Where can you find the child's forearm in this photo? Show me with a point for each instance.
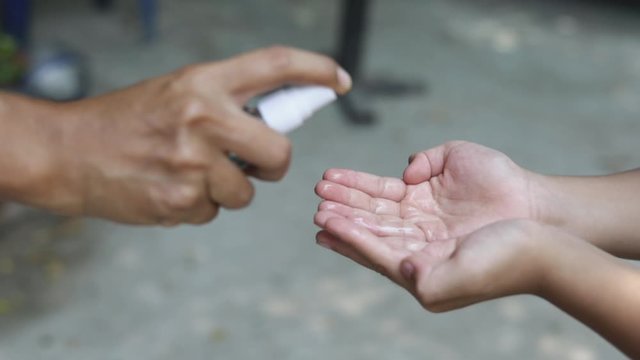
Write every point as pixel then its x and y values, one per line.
pixel 597 289
pixel 605 210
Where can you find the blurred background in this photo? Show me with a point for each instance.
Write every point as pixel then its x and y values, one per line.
pixel 554 84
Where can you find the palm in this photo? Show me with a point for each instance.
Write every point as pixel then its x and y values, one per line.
pixel 465 187
pixel 435 218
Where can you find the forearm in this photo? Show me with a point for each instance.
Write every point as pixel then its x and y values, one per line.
pixel 27 150
pixel 605 210
pixel 597 289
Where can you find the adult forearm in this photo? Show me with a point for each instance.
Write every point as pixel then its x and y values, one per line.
pixel 27 149
pixel 605 210
pixel 597 289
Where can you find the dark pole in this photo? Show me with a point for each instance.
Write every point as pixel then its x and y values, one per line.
pixel 352 35
pixel 353 28
pixel 148 14
pixel 104 4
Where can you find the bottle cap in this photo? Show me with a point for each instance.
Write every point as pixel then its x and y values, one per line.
pixel 287 109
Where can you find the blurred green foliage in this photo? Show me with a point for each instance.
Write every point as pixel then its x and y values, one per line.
pixel 12 64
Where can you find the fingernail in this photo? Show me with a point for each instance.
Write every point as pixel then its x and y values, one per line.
pixel 344 79
pixel 407 269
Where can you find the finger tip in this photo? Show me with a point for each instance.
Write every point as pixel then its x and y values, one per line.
pixel 323 218
pixel 415 173
pixel 320 218
pixel 332 223
pixel 326 205
pixel 326 189
pixel 333 174
pixel 320 187
pixel 329 220
pixel 408 175
pixel 345 82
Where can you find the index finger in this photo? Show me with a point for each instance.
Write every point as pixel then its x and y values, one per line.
pixel 268 152
pixel 255 72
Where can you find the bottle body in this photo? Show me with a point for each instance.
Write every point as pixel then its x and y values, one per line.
pixel 287 109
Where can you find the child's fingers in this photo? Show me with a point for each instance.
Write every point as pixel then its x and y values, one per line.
pixel 380 225
pixel 376 186
pixel 329 190
pixel 322 216
pixel 383 259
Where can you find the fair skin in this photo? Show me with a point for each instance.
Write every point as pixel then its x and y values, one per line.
pixel 156 152
pixel 465 224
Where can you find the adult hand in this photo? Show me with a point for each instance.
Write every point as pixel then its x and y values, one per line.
pixel 157 152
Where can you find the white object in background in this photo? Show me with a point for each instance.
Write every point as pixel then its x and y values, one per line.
pixel 57 73
pixel 287 109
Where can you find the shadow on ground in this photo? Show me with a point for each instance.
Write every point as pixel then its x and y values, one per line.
pixel 37 250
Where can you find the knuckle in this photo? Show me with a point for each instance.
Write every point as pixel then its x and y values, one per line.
pixel 243 197
pixel 279 57
pixel 180 198
pixel 190 108
pixel 186 158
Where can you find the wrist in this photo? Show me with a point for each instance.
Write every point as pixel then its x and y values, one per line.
pixel 591 208
pixel 32 145
pixel 561 204
pixel 548 200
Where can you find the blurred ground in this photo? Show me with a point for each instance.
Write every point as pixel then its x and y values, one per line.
pixel 553 84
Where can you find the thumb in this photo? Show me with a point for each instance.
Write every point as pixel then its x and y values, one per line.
pixel 424 165
pixel 429 276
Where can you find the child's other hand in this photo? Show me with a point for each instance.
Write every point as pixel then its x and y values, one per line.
pixel 501 259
